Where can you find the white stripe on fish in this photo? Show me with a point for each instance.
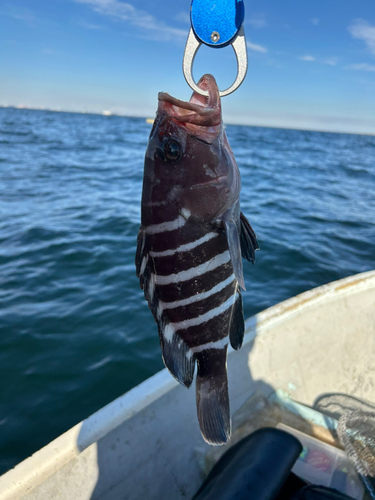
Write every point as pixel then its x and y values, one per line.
pixel 169 225
pixel 162 306
pixel 151 286
pixel 219 344
pixel 186 247
pixel 194 272
pixel 172 328
pixel 144 264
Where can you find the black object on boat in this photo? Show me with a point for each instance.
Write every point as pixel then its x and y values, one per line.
pixel 256 468
pixel 315 492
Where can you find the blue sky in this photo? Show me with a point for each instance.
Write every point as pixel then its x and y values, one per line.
pixel 311 63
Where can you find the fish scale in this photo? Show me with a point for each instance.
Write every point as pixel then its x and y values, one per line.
pixel 189 249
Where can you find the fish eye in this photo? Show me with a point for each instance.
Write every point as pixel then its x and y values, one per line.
pixel 172 150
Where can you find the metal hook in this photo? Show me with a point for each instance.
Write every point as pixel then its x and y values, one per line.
pixel 191 49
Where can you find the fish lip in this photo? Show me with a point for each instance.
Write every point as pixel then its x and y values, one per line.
pixel 200 110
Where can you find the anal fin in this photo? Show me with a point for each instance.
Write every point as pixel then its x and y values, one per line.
pixel 237 324
pixel 178 359
pixel 212 396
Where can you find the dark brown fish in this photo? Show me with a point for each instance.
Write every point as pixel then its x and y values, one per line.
pixel 189 250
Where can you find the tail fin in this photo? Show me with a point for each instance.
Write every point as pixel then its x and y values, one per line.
pixel 212 396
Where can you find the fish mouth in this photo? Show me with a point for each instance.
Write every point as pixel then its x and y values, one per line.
pixel 200 111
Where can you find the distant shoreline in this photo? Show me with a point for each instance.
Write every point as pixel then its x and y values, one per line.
pixel 110 114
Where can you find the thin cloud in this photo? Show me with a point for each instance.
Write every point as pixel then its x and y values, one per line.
pixel 183 17
pixel 91 26
pixel 256 48
pixel 151 26
pixel 369 84
pixel 363 30
pixel 361 67
pixel 258 20
pixel 307 58
pixel 21 15
pixel 315 20
pixel 51 52
pixel 331 61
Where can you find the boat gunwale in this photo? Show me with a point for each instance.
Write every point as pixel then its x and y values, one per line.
pixel 34 470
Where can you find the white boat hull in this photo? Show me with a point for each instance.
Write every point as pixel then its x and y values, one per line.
pixel 147 443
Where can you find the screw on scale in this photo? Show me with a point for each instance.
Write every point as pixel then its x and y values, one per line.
pixel 216 23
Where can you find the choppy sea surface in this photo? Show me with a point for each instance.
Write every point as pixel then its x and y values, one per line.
pixel 75 330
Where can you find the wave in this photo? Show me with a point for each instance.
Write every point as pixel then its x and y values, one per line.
pixel 75 331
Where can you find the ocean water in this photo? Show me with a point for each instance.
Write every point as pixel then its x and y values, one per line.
pixel 75 330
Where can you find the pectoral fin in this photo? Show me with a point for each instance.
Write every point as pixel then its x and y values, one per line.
pixel 234 245
pixel 249 243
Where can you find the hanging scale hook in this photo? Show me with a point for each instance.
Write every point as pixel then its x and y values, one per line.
pixel 216 23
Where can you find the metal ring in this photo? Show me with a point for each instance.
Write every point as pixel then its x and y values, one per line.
pixel 191 49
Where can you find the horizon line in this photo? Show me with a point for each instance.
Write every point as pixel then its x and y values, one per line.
pixel 108 114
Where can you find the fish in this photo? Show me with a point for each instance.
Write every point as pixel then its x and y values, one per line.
pixel 190 246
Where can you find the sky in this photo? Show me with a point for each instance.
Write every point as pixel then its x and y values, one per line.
pixel 311 63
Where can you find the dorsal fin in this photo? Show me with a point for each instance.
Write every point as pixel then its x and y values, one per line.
pixel 141 256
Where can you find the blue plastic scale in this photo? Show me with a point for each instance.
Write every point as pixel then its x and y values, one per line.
pixel 216 23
